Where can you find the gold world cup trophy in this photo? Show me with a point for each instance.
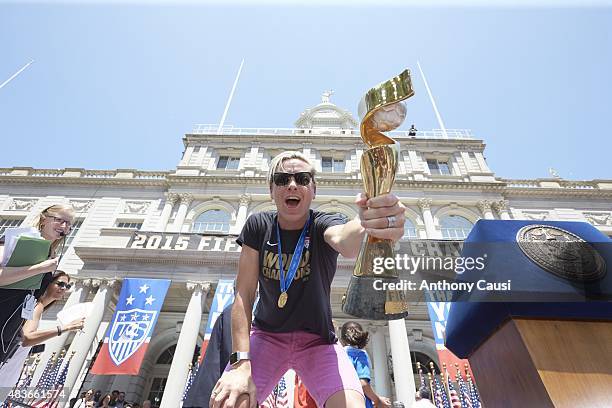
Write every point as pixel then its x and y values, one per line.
pixel 380 110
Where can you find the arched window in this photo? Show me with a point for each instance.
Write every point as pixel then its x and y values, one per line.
pixel 455 227
pixel 167 356
pixel 424 360
pixel 212 221
pixel 410 231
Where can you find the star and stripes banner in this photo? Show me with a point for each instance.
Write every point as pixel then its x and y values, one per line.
pixel 224 296
pixel 464 393
pixel 129 333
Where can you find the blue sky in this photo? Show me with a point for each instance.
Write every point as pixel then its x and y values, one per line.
pixel 116 85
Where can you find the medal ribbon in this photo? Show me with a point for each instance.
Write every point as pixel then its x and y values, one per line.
pixel 286 280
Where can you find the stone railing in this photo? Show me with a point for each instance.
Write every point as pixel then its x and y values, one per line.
pixel 83 173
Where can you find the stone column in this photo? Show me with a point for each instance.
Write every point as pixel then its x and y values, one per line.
pixel 241 217
pixel 379 361
pixel 56 344
pixel 186 200
pixel 171 199
pixel 485 208
pixel 84 342
pixel 425 206
pixel 501 207
pixel 402 365
pixel 177 377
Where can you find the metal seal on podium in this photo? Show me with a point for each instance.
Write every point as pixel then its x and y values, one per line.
pixel 381 109
pixel 561 253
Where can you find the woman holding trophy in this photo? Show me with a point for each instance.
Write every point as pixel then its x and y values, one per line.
pixel 292 254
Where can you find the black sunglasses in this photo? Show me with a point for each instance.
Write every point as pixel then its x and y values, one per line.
pixel 64 285
pixel 302 178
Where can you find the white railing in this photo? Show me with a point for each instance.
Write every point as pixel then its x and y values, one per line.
pixel 579 185
pixel 201 129
pixel 150 175
pixel 46 173
pixel 523 183
pixel 566 184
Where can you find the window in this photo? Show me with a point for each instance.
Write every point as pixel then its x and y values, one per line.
pixel 73 232
pixel 157 391
pixel 167 356
pixel 409 230
pixel 212 221
pixel 332 165
pixel 129 224
pixel 424 360
pixel 228 163
pixel 9 223
pixel 438 167
pixel 455 227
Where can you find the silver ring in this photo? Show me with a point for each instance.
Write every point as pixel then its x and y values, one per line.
pixel 391 221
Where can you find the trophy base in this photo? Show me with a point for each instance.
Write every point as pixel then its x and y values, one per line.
pixel 362 300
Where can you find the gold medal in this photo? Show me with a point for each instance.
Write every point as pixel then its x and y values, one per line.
pixel 282 300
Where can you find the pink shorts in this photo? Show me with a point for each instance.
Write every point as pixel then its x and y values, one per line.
pixel 324 368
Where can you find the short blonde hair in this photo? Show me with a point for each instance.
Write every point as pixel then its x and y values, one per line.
pixel 53 211
pixel 277 163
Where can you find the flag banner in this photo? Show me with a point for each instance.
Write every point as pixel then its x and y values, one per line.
pixel 224 296
pixel 129 333
pixel 438 314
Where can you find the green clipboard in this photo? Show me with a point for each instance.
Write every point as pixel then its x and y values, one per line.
pixel 28 251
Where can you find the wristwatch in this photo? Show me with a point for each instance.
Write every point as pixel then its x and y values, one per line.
pixel 238 356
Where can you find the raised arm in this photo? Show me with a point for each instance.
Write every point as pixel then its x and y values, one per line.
pixel 373 218
pixel 32 336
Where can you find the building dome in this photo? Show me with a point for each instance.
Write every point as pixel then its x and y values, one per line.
pixel 326 115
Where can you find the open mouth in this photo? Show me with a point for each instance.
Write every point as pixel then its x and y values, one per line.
pixel 292 201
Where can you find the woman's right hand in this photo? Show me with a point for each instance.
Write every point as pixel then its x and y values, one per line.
pixel 233 387
pixel 75 325
pixel 50 265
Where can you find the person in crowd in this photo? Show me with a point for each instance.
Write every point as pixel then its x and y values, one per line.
pixel 146 404
pixel 292 255
pixel 354 339
pixel 16 305
pixel 120 402
pixel 423 399
pixel 114 396
pixel 85 397
pixel 104 401
pixel 32 335
pixel 97 396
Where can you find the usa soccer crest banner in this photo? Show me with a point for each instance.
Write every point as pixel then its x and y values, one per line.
pixel 129 333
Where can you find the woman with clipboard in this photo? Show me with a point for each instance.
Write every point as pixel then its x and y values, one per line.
pixel 17 305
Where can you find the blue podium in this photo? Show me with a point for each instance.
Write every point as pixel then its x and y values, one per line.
pixel 525 352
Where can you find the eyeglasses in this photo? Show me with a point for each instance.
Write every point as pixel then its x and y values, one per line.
pixel 302 178
pixel 63 285
pixel 61 221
